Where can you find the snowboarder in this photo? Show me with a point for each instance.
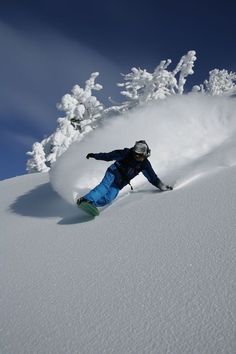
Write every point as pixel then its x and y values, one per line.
pixel 128 164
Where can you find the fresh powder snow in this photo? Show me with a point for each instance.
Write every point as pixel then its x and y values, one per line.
pixel 155 272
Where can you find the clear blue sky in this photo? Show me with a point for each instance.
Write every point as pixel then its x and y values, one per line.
pixel 48 46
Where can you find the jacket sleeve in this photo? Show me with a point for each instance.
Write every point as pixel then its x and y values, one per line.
pixel 111 156
pixel 150 174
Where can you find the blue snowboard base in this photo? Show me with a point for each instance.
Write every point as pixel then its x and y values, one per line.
pixel 89 209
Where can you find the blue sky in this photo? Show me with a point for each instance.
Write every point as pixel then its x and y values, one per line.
pixel 48 46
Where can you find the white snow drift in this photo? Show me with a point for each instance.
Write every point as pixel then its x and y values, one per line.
pixel 178 130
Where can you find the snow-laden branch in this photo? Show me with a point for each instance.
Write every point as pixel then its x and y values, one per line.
pixel 140 86
pixel 37 162
pixel 82 112
pixel 220 83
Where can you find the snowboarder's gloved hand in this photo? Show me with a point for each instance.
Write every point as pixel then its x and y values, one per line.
pixel 89 156
pixel 164 187
pixel 169 188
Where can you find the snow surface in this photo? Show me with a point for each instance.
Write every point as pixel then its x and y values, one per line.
pixel 154 273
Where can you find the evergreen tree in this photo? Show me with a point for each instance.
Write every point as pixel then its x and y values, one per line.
pixel 37 162
pixel 140 86
pixel 220 82
pixel 82 113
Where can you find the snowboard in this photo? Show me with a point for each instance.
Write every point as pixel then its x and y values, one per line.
pixel 89 209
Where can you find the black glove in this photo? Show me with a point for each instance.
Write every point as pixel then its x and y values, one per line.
pixel 164 187
pixel 169 188
pixel 89 155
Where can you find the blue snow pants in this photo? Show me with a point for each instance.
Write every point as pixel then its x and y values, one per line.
pixel 105 192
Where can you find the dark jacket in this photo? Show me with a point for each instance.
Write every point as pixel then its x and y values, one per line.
pixel 126 167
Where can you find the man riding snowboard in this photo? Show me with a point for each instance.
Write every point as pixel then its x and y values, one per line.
pixel 128 164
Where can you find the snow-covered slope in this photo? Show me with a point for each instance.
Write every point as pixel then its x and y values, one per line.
pixel 154 273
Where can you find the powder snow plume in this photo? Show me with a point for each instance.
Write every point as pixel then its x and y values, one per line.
pixel 179 131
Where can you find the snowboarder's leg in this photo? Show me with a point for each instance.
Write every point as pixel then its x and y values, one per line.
pixel 108 197
pixel 96 195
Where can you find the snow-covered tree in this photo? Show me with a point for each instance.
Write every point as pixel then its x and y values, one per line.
pixel 140 86
pixel 220 82
pixel 37 162
pixel 64 135
pixel 184 68
pixel 80 107
pixel 82 113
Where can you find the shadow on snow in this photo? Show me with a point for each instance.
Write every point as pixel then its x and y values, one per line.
pixel 44 202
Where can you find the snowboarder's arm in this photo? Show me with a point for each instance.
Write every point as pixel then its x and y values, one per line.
pixel 109 156
pixel 152 177
pixel 150 174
